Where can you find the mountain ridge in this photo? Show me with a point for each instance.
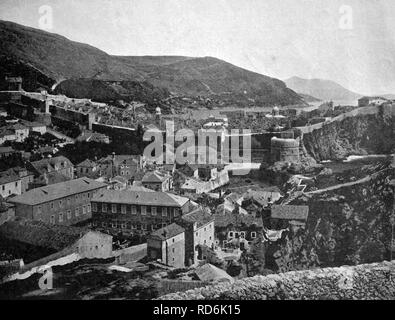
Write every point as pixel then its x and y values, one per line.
pixel 321 88
pixel 57 58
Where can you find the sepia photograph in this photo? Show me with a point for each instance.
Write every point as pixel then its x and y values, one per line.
pixel 182 152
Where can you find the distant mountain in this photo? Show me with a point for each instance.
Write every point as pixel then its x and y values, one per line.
pixel 307 98
pixel 321 89
pixel 44 59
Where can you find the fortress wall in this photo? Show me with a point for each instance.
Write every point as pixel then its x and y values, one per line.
pixel 368 281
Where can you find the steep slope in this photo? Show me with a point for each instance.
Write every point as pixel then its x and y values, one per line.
pixel 349 225
pixel 58 58
pixel 321 89
pixel 371 134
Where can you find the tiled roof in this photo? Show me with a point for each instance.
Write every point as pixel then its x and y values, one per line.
pixel 57 191
pixel 168 232
pixel 155 176
pixel 8 176
pixel 140 198
pixel 290 212
pixel 200 215
pixel 235 219
pixel 87 163
pixel 42 165
pixel 40 234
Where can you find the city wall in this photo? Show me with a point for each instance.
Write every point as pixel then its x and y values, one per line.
pixel 368 281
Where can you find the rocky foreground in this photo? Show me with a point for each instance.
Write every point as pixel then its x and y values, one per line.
pixel 363 282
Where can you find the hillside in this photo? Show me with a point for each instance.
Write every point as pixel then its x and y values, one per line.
pixel 57 58
pixel 321 89
pixel 373 133
pixel 346 226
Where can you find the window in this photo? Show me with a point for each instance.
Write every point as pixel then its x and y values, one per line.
pixel 83 209
pixel 230 234
pixel 153 211
pixel 143 226
pixel 104 207
pixel 88 208
pixel 77 212
pixel 52 205
pixel 164 212
pixel 94 207
pixel 52 219
pixel 197 234
pixel 16 184
pixel 143 210
pixel 68 214
pixel 61 217
pixel 60 203
pixel 68 201
pixel 253 234
pixel 114 208
pixel 123 209
pixel 3 187
pixel 176 212
pixel 174 250
pixel 134 211
pixel 242 235
pixel 123 225
pixel 39 209
pixel 88 195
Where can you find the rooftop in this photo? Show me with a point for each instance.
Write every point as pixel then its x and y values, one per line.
pixel 87 163
pixel 140 198
pixel 57 191
pixel 167 232
pixel 200 215
pixel 51 163
pixel 230 218
pixel 8 176
pixel 40 234
pixel 155 176
pixel 289 212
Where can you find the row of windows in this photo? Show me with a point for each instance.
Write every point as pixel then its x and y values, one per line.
pixel 241 234
pixel 60 203
pixel 143 210
pixel 64 216
pixel 130 226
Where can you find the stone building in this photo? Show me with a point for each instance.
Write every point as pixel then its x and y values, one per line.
pixel 158 181
pixel 284 150
pixel 65 203
pixel 10 183
pixel 199 230
pixel 136 212
pixel 48 166
pixel 168 245
pixel 39 243
pixel 283 216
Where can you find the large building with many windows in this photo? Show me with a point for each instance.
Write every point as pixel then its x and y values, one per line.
pixel 136 212
pixel 65 203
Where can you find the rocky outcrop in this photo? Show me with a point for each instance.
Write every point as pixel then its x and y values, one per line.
pixel 347 224
pixel 369 130
pixel 369 281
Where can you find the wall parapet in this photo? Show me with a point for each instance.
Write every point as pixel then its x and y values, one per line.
pixel 361 282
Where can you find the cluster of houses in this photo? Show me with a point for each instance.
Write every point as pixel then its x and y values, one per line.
pixel 55 212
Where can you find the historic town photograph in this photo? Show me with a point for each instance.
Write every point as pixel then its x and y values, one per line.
pixel 197 150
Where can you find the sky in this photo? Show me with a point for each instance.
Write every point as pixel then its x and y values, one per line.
pixel 351 42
